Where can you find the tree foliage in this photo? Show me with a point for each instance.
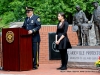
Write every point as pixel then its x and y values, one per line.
pixel 14 10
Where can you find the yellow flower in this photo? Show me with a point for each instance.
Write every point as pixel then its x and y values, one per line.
pixel 97 63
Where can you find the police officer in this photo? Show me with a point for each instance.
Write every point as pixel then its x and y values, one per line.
pixel 78 19
pixel 96 19
pixel 33 25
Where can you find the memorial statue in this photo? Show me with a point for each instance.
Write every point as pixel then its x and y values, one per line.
pixel 96 19
pixel 85 27
pixel 79 19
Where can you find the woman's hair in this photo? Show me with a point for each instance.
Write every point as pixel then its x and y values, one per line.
pixel 63 15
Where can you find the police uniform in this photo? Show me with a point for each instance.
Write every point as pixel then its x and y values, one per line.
pixel 33 23
pixel 78 19
pixel 96 19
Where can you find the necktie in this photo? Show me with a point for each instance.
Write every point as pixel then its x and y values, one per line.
pixel 28 20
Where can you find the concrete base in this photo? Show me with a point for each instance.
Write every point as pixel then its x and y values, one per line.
pixel 82 64
pixel 86 47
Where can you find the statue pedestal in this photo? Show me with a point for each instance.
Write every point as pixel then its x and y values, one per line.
pixel 83 56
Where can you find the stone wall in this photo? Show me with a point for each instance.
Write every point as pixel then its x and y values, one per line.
pixel 44 49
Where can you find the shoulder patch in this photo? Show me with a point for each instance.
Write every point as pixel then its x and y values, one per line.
pixel 38 19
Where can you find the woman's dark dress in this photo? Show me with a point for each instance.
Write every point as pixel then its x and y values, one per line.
pixel 62 30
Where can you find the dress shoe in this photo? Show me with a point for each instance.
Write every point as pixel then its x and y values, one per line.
pixel 97 44
pixel 86 44
pixel 35 68
pixel 59 68
pixel 1 68
pixel 79 44
pixel 64 68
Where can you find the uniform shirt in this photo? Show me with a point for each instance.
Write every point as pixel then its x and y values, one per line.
pixel 80 17
pixel 33 23
pixel 96 14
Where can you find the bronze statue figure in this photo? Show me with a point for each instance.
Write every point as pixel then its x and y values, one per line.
pixel 96 19
pixel 85 33
pixel 79 20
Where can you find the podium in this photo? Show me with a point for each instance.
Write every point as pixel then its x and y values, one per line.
pixel 17 49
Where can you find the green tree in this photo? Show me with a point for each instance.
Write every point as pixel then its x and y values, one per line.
pixel 14 10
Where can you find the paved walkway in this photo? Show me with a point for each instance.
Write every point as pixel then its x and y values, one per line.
pixel 50 69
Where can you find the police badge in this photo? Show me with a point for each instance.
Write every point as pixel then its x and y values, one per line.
pixel 38 19
pixel 32 21
pixel 9 36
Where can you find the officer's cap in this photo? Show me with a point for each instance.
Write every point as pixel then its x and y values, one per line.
pixel 77 6
pixel 95 2
pixel 29 8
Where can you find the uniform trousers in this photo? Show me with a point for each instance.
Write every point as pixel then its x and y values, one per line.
pixel 35 53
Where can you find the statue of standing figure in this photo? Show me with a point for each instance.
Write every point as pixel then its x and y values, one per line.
pixel 81 27
pixel 96 19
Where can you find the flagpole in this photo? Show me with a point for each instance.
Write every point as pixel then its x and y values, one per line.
pixel 1 52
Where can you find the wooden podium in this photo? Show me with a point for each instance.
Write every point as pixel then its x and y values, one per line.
pixel 17 49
